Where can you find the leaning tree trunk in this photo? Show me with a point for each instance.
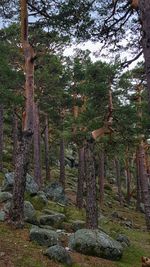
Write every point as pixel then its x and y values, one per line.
pixel 46 142
pixel 144 185
pixel 90 178
pixel 37 147
pixel 118 176
pixel 62 162
pixel 101 178
pixel 25 142
pixel 81 176
pixel 144 7
pixel 14 135
pixel 1 137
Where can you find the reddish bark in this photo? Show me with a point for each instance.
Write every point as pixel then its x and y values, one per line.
pixel 15 135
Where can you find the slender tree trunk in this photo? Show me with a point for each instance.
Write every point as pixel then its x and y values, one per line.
pixel 62 162
pixel 46 141
pixel 128 177
pixel 101 178
pixel 1 137
pixel 90 178
pixel 138 186
pixel 81 175
pixel 144 185
pixel 117 165
pixel 24 145
pixel 144 7
pixel 15 135
pixel 37 147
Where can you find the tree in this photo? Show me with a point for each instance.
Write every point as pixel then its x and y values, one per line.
pixel 24 145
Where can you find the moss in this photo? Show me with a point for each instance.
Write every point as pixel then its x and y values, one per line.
pixel 72 213
pixel 1 178
pixel 55 207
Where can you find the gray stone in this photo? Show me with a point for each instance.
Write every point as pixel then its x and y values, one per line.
pixel 142 208
pixel 95 243
pixel 31 185
pixel 59 253
pixel 56 193
pixel 2 216
pixel 43 237
pixel 5 196
pixel 29 212
pixel 78 224
pixel 42 197
pixel 54 220
pixel 124 240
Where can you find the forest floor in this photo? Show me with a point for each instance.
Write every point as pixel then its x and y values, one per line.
pixel 16 250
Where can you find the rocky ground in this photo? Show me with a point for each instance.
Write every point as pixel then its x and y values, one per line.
pixel 55 234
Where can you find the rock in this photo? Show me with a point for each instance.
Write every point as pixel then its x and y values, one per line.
pixel 142 208
pixel 5 196
pixel 42 197
pixel 78 224
pixel 40 200
pixel 56 193
pixel 95 243
pixel 43 237
pixel 128 224
pixel 31 185
pixel 124 240
pixel 2 216
pixel 60 254
pixel 52 220
pixel 29 212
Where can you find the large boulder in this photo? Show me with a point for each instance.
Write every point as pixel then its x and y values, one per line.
pixel 56 193
pixel 54 220
pixel 29 212
pixel 95 243
pixel 5 196
pixel 59 253
pixel 31 185
pixel 124 240
pixel 43 237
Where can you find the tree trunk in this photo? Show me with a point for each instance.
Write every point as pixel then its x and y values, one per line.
pixel 118 176
pixel 1 137
pixel 37 147
pixel 138 187
pixel 14 135
pixel 144 7
pixel 62 162
pixel 144 185
pixel 90 178
pixel 101 178
pixel 128 177
pixel 46 141
pixel 24 146
pixel 81 175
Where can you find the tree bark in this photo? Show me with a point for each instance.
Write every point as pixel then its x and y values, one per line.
pixel 144 7
pixel 138 186
pixel 46 141
pixel 1 137
pixel 90 178
pixel 15 135
pixel 62 163
pixel 101 178
pixel 144 184
pixel 37 148
pixel 118 176
pixel 81 176
pixel 24 146
pixel 128 177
